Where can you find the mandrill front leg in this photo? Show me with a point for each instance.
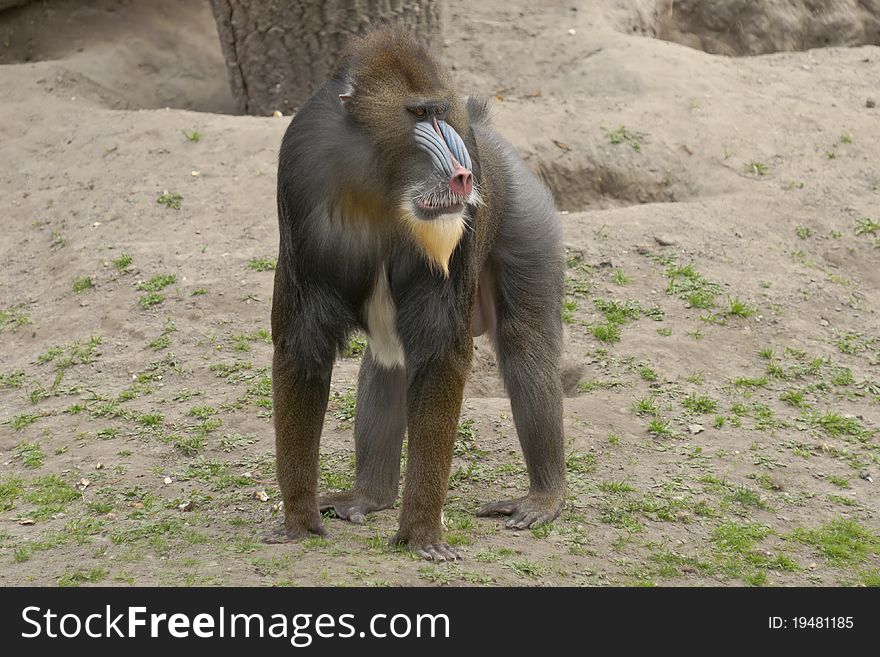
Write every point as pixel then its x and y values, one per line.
pixel 300 399
pixel 434 398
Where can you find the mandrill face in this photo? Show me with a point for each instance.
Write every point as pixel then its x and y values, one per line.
pixel 408 110
pixel 434 209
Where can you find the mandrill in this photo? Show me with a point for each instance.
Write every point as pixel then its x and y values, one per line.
pixel 403 214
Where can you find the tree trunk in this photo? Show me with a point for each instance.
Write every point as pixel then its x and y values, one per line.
pixel 279 51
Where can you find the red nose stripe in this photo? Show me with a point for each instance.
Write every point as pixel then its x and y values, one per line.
pixel 462 180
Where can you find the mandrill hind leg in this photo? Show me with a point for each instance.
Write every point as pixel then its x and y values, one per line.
pixel 528 344
pixel 379 426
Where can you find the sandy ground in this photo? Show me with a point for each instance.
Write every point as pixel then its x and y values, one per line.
pixel 722 420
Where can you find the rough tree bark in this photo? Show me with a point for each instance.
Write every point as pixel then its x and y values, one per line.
pixel 279 51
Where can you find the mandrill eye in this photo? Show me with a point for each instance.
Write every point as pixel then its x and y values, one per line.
pixel 420 112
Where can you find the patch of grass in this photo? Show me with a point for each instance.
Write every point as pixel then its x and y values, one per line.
pixel 843 501
pixel 803 232
pixel 157 283
pixel 655 313
pixel 647 373
pixel 192 136
pixel 153 289
pixel 645 406
pixel 578 282
pixel 151 299
pixel 108 433
pixel 150 419
pixel 703 299
pixel 739 409
pixel 11 488
pixel 747 497
pixel 866 226
pixel 76 577
pixel 793 397
pixel 590 386
pixel 335 475
pixel 700 404
pixel 170 199
pixel 356 346
pixel 440 574
pixel 580 462
pixel 746 382
pixel 261 264
pixel 767 482
pixel 202 412
pixel 12 380
pixel 840 482
pixel 687 283
pixel 240 342
pixel 841 542
pixel 233 441
pixel 870 578
pixel 14 317
pixel 156 534
pixel 164 341
pixel 31 454
pixel 842 376
pixel 493 555
pixel 465 440
pixel 739 308
pixel 756 168
pixel 618 312
pixel 672 564
pixel 160 343
pixel 19 422
pixel 569 306
pixel 736 555
pixel 837 425
pixel 528 569
pixel 853 343
pixel 83 284
pixel 606 332
pixel 122 262
pixel 78 353
pixel 214 473
pixel 58 240
pixel 620 278
pixel 51 494
pixel 661 427
pixel 622 135
pixel 616 487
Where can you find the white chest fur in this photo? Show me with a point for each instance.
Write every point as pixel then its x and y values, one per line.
pixel 381 316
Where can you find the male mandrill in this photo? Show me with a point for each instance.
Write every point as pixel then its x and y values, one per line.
pixel 403 214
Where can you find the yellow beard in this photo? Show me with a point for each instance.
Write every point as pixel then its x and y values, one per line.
pixel 437 238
